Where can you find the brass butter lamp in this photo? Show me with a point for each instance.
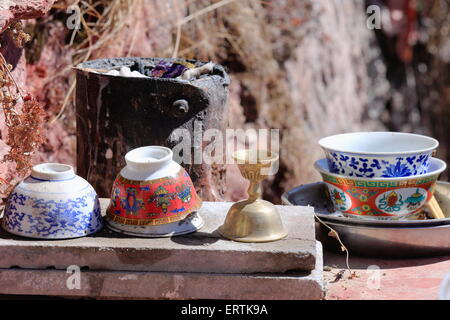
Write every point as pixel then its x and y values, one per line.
pixel 254 219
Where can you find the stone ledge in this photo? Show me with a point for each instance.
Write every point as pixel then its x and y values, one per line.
pixel 167 285
pixel 203 251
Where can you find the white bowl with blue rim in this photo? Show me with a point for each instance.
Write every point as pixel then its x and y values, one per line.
pixel 52 203
pixel 378 154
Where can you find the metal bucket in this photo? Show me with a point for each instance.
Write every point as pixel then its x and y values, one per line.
pixel 116 114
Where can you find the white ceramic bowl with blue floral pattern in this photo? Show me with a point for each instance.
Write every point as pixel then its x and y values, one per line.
pixel 52 203
pixel 378 154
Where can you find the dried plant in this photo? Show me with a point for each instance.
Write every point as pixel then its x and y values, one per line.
pixel 25 133
pixel 17 34
pixel 24 117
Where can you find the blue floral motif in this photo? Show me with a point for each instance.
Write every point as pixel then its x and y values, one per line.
pixel 68 218
pixel 421 158
pixel 398 170
pixel 377 167
pixel 354 163
pixel 365 171
pixel 18 198
pixel 333 167
pixel 426 162
pixel 410 159
pixel 16 223
pixel 375 164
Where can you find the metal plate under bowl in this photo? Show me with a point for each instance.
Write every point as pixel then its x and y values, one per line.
pixel 383 238
pixel 190 224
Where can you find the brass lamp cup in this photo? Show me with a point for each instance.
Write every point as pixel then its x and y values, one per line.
pixel 254 219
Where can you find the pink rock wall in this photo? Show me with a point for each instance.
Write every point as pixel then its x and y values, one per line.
pixel 12 10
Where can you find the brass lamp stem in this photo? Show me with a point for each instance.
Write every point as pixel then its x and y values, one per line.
pixel 254 190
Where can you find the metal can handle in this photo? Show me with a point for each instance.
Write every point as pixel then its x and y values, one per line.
pixel 180 108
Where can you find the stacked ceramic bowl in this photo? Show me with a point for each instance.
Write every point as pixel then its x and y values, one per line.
pixel 379 175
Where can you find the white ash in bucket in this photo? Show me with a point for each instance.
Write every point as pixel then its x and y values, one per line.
pixel 163 69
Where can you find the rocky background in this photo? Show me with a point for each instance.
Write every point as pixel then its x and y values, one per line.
pixel 308 67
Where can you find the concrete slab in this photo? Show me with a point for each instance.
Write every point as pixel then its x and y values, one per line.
pixel 166 285
pixel 204 251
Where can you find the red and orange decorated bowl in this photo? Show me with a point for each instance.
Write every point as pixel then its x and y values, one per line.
pixel 152 194
pixel 380 198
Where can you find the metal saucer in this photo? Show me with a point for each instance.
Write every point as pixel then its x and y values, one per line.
pixel 377 238
pixel 191 223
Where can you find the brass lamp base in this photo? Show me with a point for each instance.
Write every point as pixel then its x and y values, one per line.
pixel 253 221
